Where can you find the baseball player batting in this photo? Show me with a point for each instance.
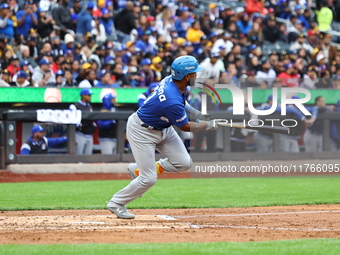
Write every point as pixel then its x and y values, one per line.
pixel 151 128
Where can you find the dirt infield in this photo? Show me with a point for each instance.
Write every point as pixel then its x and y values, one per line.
pixel 171 225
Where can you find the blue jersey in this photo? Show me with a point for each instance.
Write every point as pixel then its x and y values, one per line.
pixel 165 106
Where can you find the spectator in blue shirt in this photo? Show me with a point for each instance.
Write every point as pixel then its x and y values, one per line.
pixel 144 45
pixel 182 24
pixel 243 24
pixel 301 17
pixel 38 143
pixel 105 80
pixel 107 21
pixel 27 19
pixel 6 24
pixel 84 20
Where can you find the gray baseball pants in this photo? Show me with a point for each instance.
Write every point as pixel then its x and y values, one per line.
pixel 313 142
pixel 84 145
pixel 108 147
pixel 143 143
pixel 289 145
pixel 263 143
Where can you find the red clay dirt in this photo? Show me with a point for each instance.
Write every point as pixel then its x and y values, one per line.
pixel 184 225
pixel 6 176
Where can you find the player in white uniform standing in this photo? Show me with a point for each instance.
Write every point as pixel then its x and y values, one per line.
pixel 151 128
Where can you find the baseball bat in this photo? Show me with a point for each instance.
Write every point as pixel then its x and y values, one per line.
pixel 264 128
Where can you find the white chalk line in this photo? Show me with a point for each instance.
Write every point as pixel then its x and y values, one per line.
pixel 250 214
pixel 268 228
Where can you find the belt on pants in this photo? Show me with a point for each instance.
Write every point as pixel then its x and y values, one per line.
pixel 135 115
pixel 150 127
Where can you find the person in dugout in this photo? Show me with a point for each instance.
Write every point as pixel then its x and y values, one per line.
pixel 107 128
pixel 38 143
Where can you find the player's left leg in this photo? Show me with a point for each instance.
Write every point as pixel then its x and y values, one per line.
pixel 177 158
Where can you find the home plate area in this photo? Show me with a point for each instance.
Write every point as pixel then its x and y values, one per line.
pixel 171 225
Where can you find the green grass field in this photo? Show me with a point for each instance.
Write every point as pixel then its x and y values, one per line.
pixel 176 193
pixel 293 247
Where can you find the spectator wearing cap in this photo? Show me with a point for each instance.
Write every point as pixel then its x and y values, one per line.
pixel 68 43
pixel 290 77
pixel 62 17
pixel 21 80
pixel 59 79
pixel 195 33
pixel 84 24
pixel 6 24
pixel 45 23
pixel 182 23
pixel 98 56
pixel 42 74
pixel 300 43
pixel 107 128
pixel 301 17
pixel 224 42
pixel 5 78
pixel 26 19
pixel 271 32
pixel 254 6
pixel 330 51
pixel 126 23
pixel 87 49
pixel 78 55
pixel 147 74
pixel 86 129
pixel 266 73
pixel 14 65
pixel 87 77
pixel 296 31
pixel 24 65
pixel 157 67
pixel 38 143
pixel 211 67
pixel 213 11
pixel 107 22
pixel 324 17
pixel 144 45
pixel 56 46
pixel 105 80
pixel 243 24
pixel 312 38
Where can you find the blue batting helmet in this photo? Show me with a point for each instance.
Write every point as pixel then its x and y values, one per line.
pixel 183 66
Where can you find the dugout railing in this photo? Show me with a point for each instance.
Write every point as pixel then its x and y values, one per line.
pixel 11 118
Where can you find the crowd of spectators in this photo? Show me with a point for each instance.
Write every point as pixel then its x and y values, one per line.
pixel 113 43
